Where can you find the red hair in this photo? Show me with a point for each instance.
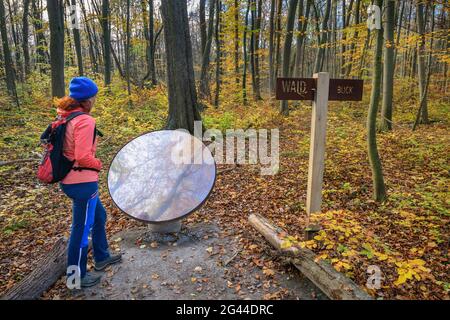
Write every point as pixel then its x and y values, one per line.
pixel 67 103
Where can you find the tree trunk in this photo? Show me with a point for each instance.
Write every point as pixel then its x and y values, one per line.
pixel 284 109
pixel 374 158
pixel 323 39
pixel 180 71
pixel 236 40
pixel 388 66
pixel 10 76
pixel 204 90
pixel 56 22
pixel 278 38
pixel 333 283
pixel 355 37
pixel 203 34
pixel 77 40
pixel 91 41
pixel 152 40
pixel 218 52
pixel 106 42
pixel 244 46
pixel 25 48
pixel 301 37
pixel 271 48
pixel 421 61
pixel 423 97
pixel 41 44
pixel 127 50
pixel 15 37
pixel 345 24
pixel 256 39
pixel 49 269
pixel 399 30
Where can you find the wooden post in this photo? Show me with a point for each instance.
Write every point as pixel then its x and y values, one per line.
pixel 317 144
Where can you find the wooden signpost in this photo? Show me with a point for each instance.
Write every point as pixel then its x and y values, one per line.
pixel 320 89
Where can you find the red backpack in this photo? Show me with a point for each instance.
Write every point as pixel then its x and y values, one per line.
pixel 54 166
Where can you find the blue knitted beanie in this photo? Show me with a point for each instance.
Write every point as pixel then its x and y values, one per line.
pixel 82 88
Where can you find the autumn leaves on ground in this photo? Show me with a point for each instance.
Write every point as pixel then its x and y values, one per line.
pixel 407 236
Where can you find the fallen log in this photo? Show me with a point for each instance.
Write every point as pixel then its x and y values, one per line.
pixel 48 270
pixel 332 283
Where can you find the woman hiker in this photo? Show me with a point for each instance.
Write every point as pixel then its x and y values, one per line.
pixel 81 184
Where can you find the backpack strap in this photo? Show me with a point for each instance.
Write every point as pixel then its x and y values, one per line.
pixel 73 115
pixel 96 132
pixel 84 168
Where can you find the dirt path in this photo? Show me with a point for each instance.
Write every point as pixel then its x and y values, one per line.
pixel 198 263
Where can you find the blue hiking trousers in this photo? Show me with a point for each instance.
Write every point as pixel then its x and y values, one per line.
pixel 88 215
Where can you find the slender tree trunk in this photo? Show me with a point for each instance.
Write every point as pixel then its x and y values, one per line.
pixel 408 28
pixel 152 39
pixel 10 76
pixel 399 30
pixel 180 71
pixel 367 44
pixel 423 96
pixel 252 45
pixel 271 48
pixel 56 22
pixel 41 44
pixel 421 60
pixel 388 66
pixel 236 40
pixel 127 49
pixel 106 42
pixel 204 90
pixel 323 39
pixel 25 34
pixel 70 56
pixel 355 38
pixel 77 41
pixel 91 41
pixel 278 38
pixel 345 24
pixel 218 52
pixel 287 49
pixel 203 34
pixel 256 39
pixel 15 37
pixel 301 36
pixel 244 47
pixel 379 190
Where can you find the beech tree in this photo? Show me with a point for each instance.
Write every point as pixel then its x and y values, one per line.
pixel 55 9
pixel 183 108
pixel 379 190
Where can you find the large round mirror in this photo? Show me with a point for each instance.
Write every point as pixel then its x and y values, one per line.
pixel 161 176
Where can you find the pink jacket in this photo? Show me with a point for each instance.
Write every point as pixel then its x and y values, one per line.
pixel 79 146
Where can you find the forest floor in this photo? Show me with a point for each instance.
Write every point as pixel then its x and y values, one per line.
pixel 407 236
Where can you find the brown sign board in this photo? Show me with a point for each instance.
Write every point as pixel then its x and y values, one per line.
pixel 304 88
pixel 345 90
pixel 295 88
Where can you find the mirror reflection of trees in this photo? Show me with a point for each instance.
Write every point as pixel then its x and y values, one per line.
pixel 147 184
